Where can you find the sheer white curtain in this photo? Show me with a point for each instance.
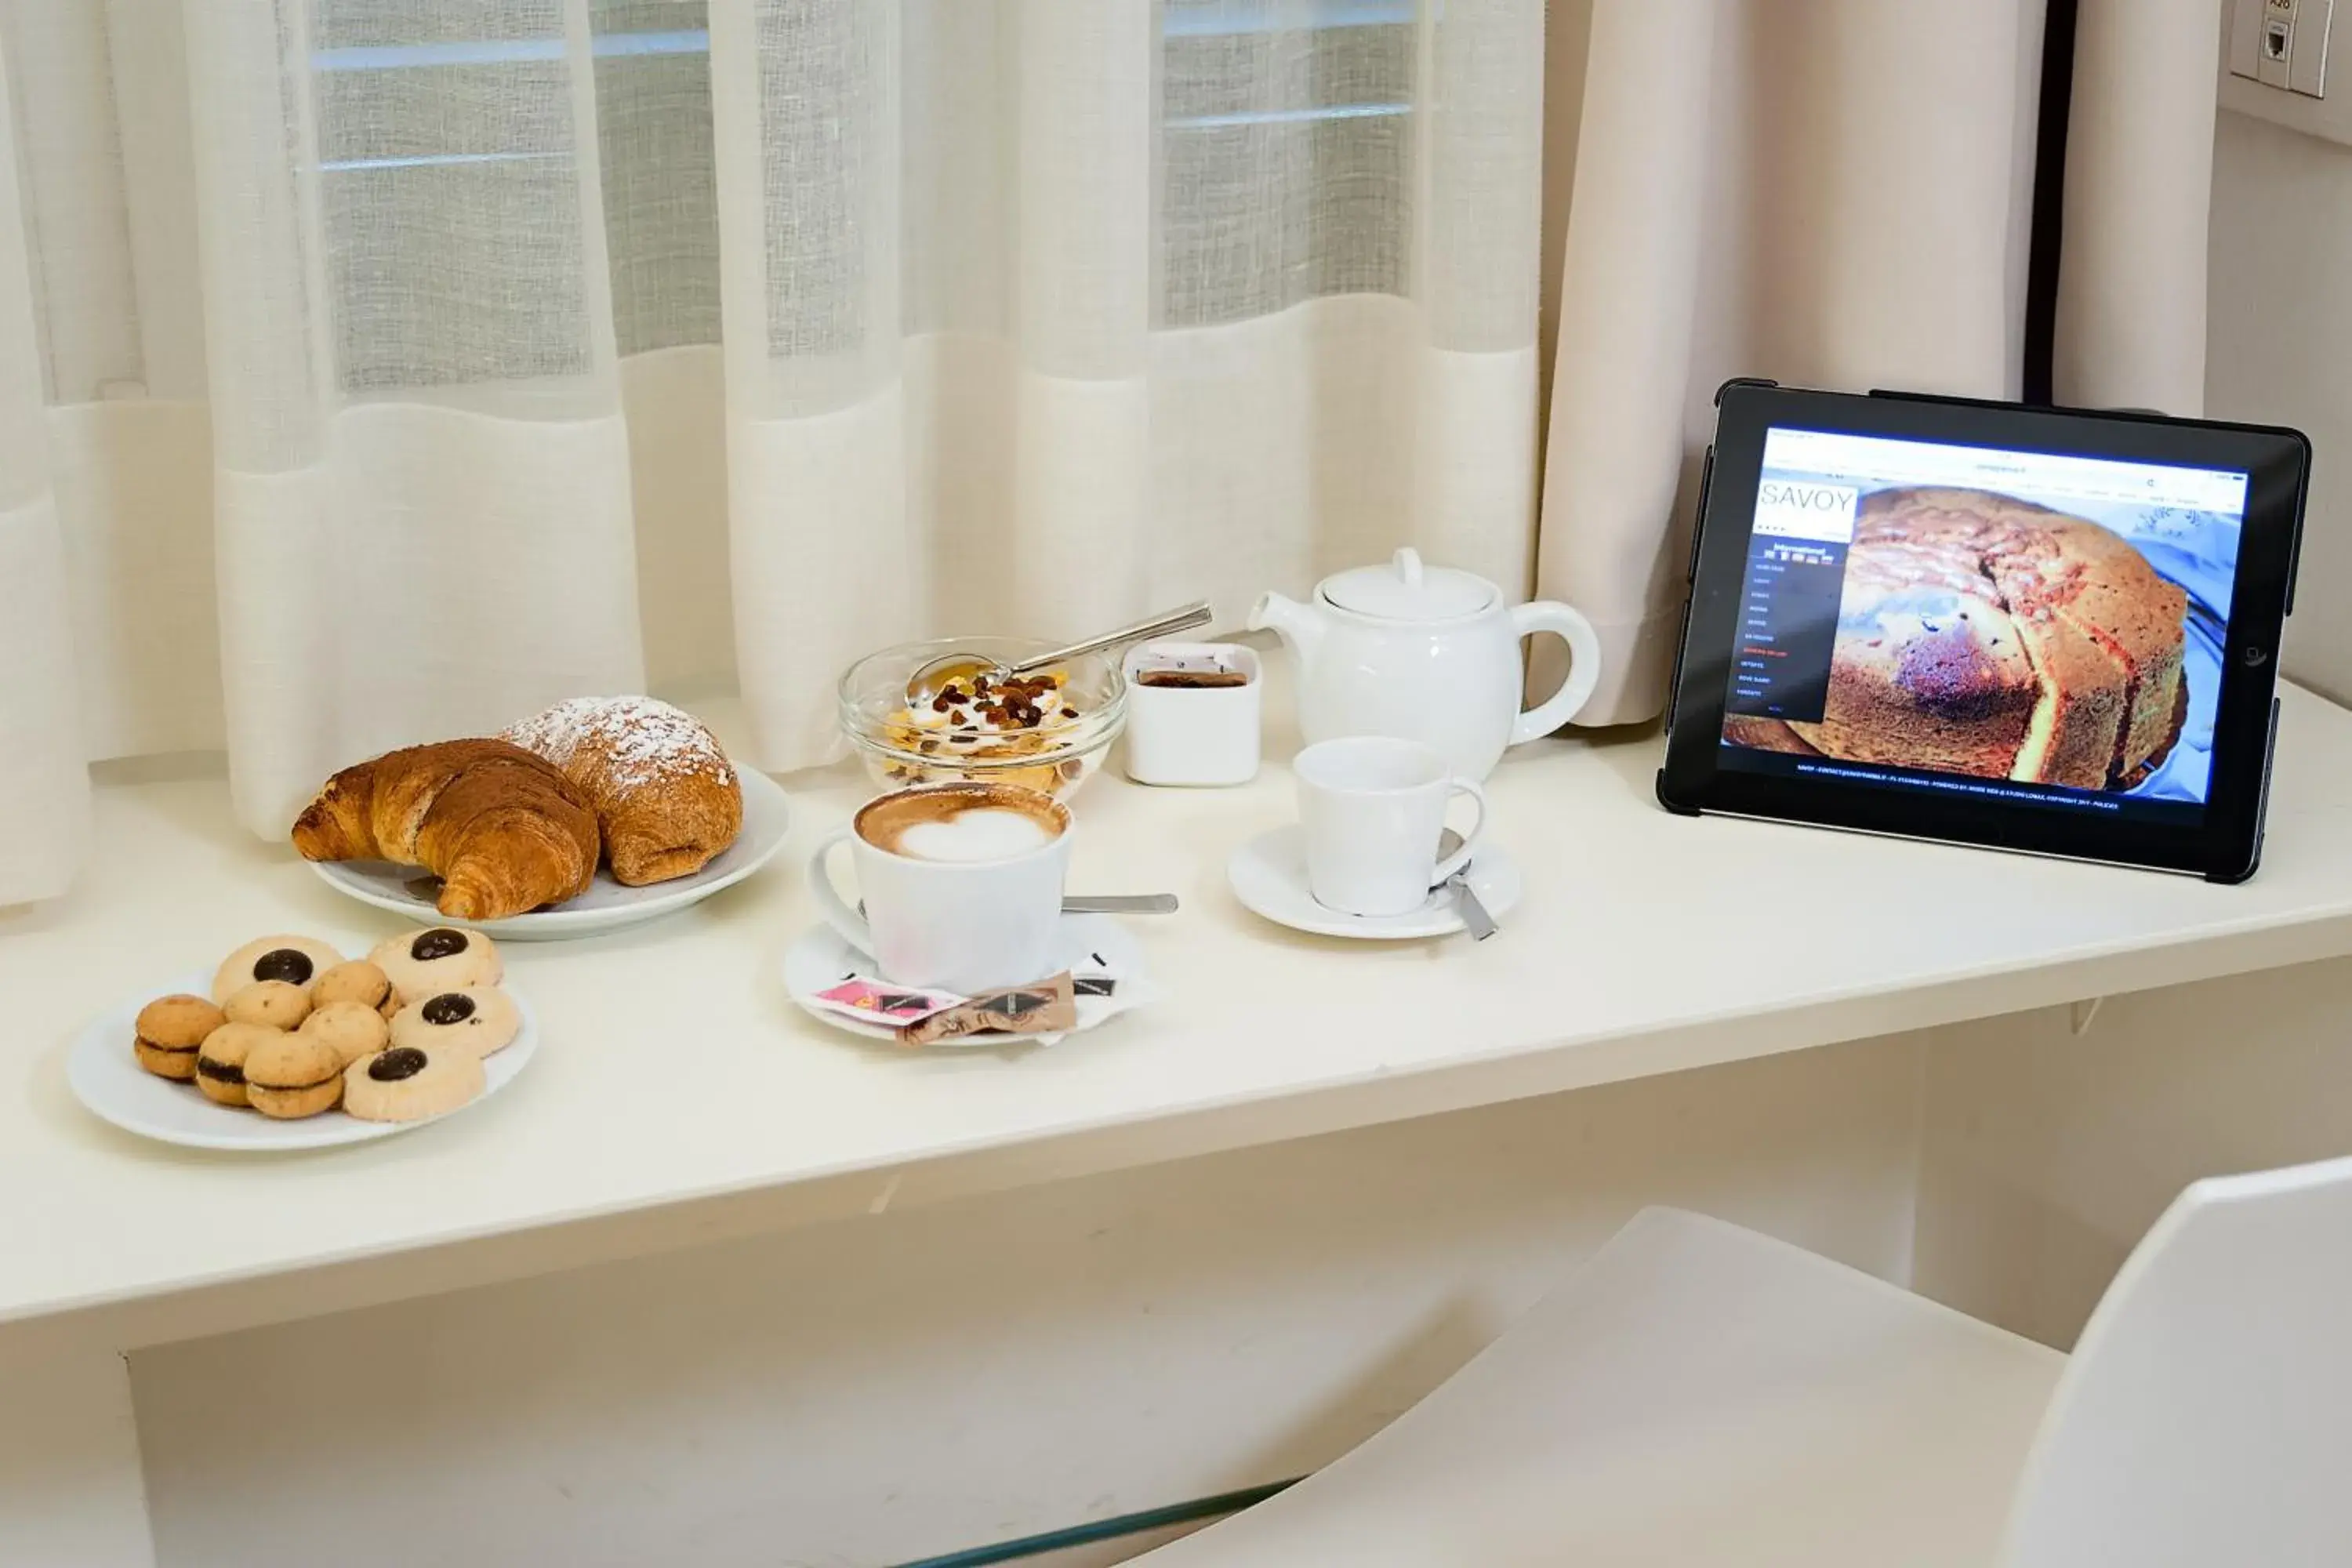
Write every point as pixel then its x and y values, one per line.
pixel 422 522
pixel 1040 312
pixel 396 366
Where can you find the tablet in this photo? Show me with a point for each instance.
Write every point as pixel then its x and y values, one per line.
pixel 2048 630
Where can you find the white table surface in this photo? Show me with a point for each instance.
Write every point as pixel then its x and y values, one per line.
pixel 681 1095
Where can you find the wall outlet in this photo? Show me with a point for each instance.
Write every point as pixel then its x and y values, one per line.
pixel 2281 44
pixel 2290 91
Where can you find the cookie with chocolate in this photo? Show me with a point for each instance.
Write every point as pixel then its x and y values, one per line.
pixel 479 1019
pixel 427 962
pixel 293 1076
pixel 410 1083
pixel 169 1028
pixel 295 960
pixel 220 1060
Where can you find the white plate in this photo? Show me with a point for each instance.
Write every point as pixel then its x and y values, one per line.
pixel 1086 945
pixel 606 905
pixel 1270 875
pixel 107 1077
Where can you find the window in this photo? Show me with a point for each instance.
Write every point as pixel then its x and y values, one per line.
pixel 1289 145
pixel 449 177
pixel 450 193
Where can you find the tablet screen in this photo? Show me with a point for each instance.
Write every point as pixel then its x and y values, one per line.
pixel 2013 625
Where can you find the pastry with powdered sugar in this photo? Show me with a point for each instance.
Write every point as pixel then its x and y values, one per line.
pixel 666 799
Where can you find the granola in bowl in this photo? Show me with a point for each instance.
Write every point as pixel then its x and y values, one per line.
pixel 1048 731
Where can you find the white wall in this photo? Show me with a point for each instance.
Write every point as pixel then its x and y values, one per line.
pixel 868 1392
pixel 2048 1155
pixel 2279 348
pixel 69 1478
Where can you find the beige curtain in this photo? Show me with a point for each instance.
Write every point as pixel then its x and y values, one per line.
pixel 44 807
pixel 1835 194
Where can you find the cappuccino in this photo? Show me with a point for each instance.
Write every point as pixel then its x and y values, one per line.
pixel 961 883
pixel 962 824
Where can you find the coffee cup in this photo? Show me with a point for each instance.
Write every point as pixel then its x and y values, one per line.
pixel 961 884
pixel 1372 810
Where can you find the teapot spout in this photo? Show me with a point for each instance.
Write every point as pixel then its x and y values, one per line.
pixel 1293 622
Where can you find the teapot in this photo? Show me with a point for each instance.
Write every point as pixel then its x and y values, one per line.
pixel 1427 654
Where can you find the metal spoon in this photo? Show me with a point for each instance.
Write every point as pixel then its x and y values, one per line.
pixel 962 669
pixel 1118 904
pixel 1107 904
pixel 1475 918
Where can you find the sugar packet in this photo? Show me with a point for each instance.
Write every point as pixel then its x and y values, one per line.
pixel 871 1003
pixel 1047 1007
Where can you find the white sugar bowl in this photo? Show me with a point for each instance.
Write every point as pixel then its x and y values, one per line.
pixel 1192 713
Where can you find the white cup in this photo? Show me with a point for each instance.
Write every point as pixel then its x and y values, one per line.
pixel 1372 809
pixel 950 924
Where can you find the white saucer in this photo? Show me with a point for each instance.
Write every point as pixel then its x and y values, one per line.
pixel 1087 944
pixel 606 905
pixel 1269 876
pixel 107 1077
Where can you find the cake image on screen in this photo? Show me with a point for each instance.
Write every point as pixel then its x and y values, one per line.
pixel 1984 635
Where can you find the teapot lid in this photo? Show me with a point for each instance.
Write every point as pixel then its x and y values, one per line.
pixel 1405 590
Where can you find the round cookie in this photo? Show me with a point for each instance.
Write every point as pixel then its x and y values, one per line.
pixel 292 1076
pixel 220 1060
pixel 479 1019
pixel 350 1029
pixel 409 1084
pixel 170 1029
pixel 427 962
pixel 297 960
pixel 357 980
pixel 279 1004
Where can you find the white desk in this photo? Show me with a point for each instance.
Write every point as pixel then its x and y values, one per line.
pixel 681 1096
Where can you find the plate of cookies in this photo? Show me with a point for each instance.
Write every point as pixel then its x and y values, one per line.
pixel 290 1045
pixel 598 813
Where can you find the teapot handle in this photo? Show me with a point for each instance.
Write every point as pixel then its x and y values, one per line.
pixel 1583 665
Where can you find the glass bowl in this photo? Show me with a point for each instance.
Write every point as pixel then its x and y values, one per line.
pixel 1054 755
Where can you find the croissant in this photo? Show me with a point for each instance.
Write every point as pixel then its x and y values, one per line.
pixel 504 831
pixel 665 797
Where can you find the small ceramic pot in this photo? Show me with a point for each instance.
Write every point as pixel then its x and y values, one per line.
pixel 1181 730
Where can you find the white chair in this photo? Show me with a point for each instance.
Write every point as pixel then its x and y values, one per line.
pixel 1700 1394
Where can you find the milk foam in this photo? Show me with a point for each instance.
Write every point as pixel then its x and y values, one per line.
pixel 985 833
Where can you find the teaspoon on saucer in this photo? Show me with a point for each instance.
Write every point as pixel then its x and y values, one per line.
pixel 1475 918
